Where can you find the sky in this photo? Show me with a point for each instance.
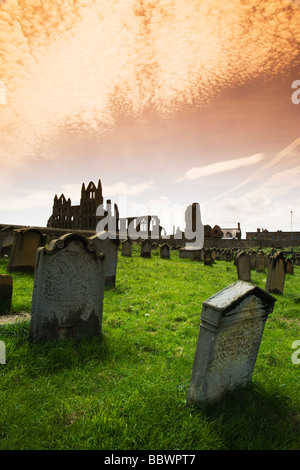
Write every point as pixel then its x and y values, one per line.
pixel 168 102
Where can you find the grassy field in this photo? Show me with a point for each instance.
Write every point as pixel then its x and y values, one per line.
pixel 127 390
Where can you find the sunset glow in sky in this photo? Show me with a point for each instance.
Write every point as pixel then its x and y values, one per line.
pixel 168 102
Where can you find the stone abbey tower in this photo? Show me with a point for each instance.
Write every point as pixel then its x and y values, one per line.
pixel 82 217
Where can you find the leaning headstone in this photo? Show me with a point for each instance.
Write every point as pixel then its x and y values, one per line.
pixel 6 289
pixel 67 299
pixel 126 248
pixel 276 274
pixel 165 251
pixel 232 325
pixel 108 246
pixel 242 263
pixel 260 262
pixel 289 266
pixel 146 249
pixel 23 252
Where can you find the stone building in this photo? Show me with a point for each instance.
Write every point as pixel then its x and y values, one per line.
pixel 82 217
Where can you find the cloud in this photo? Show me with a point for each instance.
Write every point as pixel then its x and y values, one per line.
pixel 124 189
pixel 279 174
pixel 82 64
pixel 24 202
pixel 221 167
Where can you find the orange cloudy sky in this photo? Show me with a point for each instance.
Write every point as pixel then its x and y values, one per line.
pixel 168 102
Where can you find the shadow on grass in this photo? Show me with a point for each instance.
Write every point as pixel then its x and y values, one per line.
pixel 51 356
pixel 254 418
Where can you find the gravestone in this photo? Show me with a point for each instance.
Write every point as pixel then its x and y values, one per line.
pixel 7 235
pixel 232 325
pixel 165 251
pixel 276 274
pixel 6 289
pixel 289 266
pixel 23 252
pixel 242 263
pixel 260 262
pixel 146 248
pixel 228 255
pixel 67 299
pixel 252 259
pixel 208 259
pixel 108 246
pixel 190 253
pixel 126 248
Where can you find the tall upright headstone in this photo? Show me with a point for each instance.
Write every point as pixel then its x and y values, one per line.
pixel 276 274
pixel 106 243
pixel 23 252
pixel 232 325
pixel 260 262
pixel 146 248
pixel 67 299
pixel 165 251
pixel 242 263
pixel 126 248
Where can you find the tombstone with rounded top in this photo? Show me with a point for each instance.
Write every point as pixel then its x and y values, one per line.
pixel 126 247
pixel 146 248
pixel 165 251
pixel 67 299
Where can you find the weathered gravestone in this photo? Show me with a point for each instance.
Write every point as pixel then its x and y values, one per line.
pixel 276 274
pixel 126 248
pixel 146 249
pixel 108 246
pixel 23 252
pixel 232 324
pixel 6 289
pixel 7 235
pixel 260 262
pixel 190 253
pixel 228 255
pixel 252 259
pixel 67 300
pixel 242 263
pixel 165 251
pixel 208 259
pixel 289 266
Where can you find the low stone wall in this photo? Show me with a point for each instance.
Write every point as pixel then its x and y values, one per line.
pixel 225 243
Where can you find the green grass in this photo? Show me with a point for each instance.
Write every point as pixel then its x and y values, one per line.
pixel 127 390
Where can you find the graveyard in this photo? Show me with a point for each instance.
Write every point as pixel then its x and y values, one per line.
pixel 128 387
